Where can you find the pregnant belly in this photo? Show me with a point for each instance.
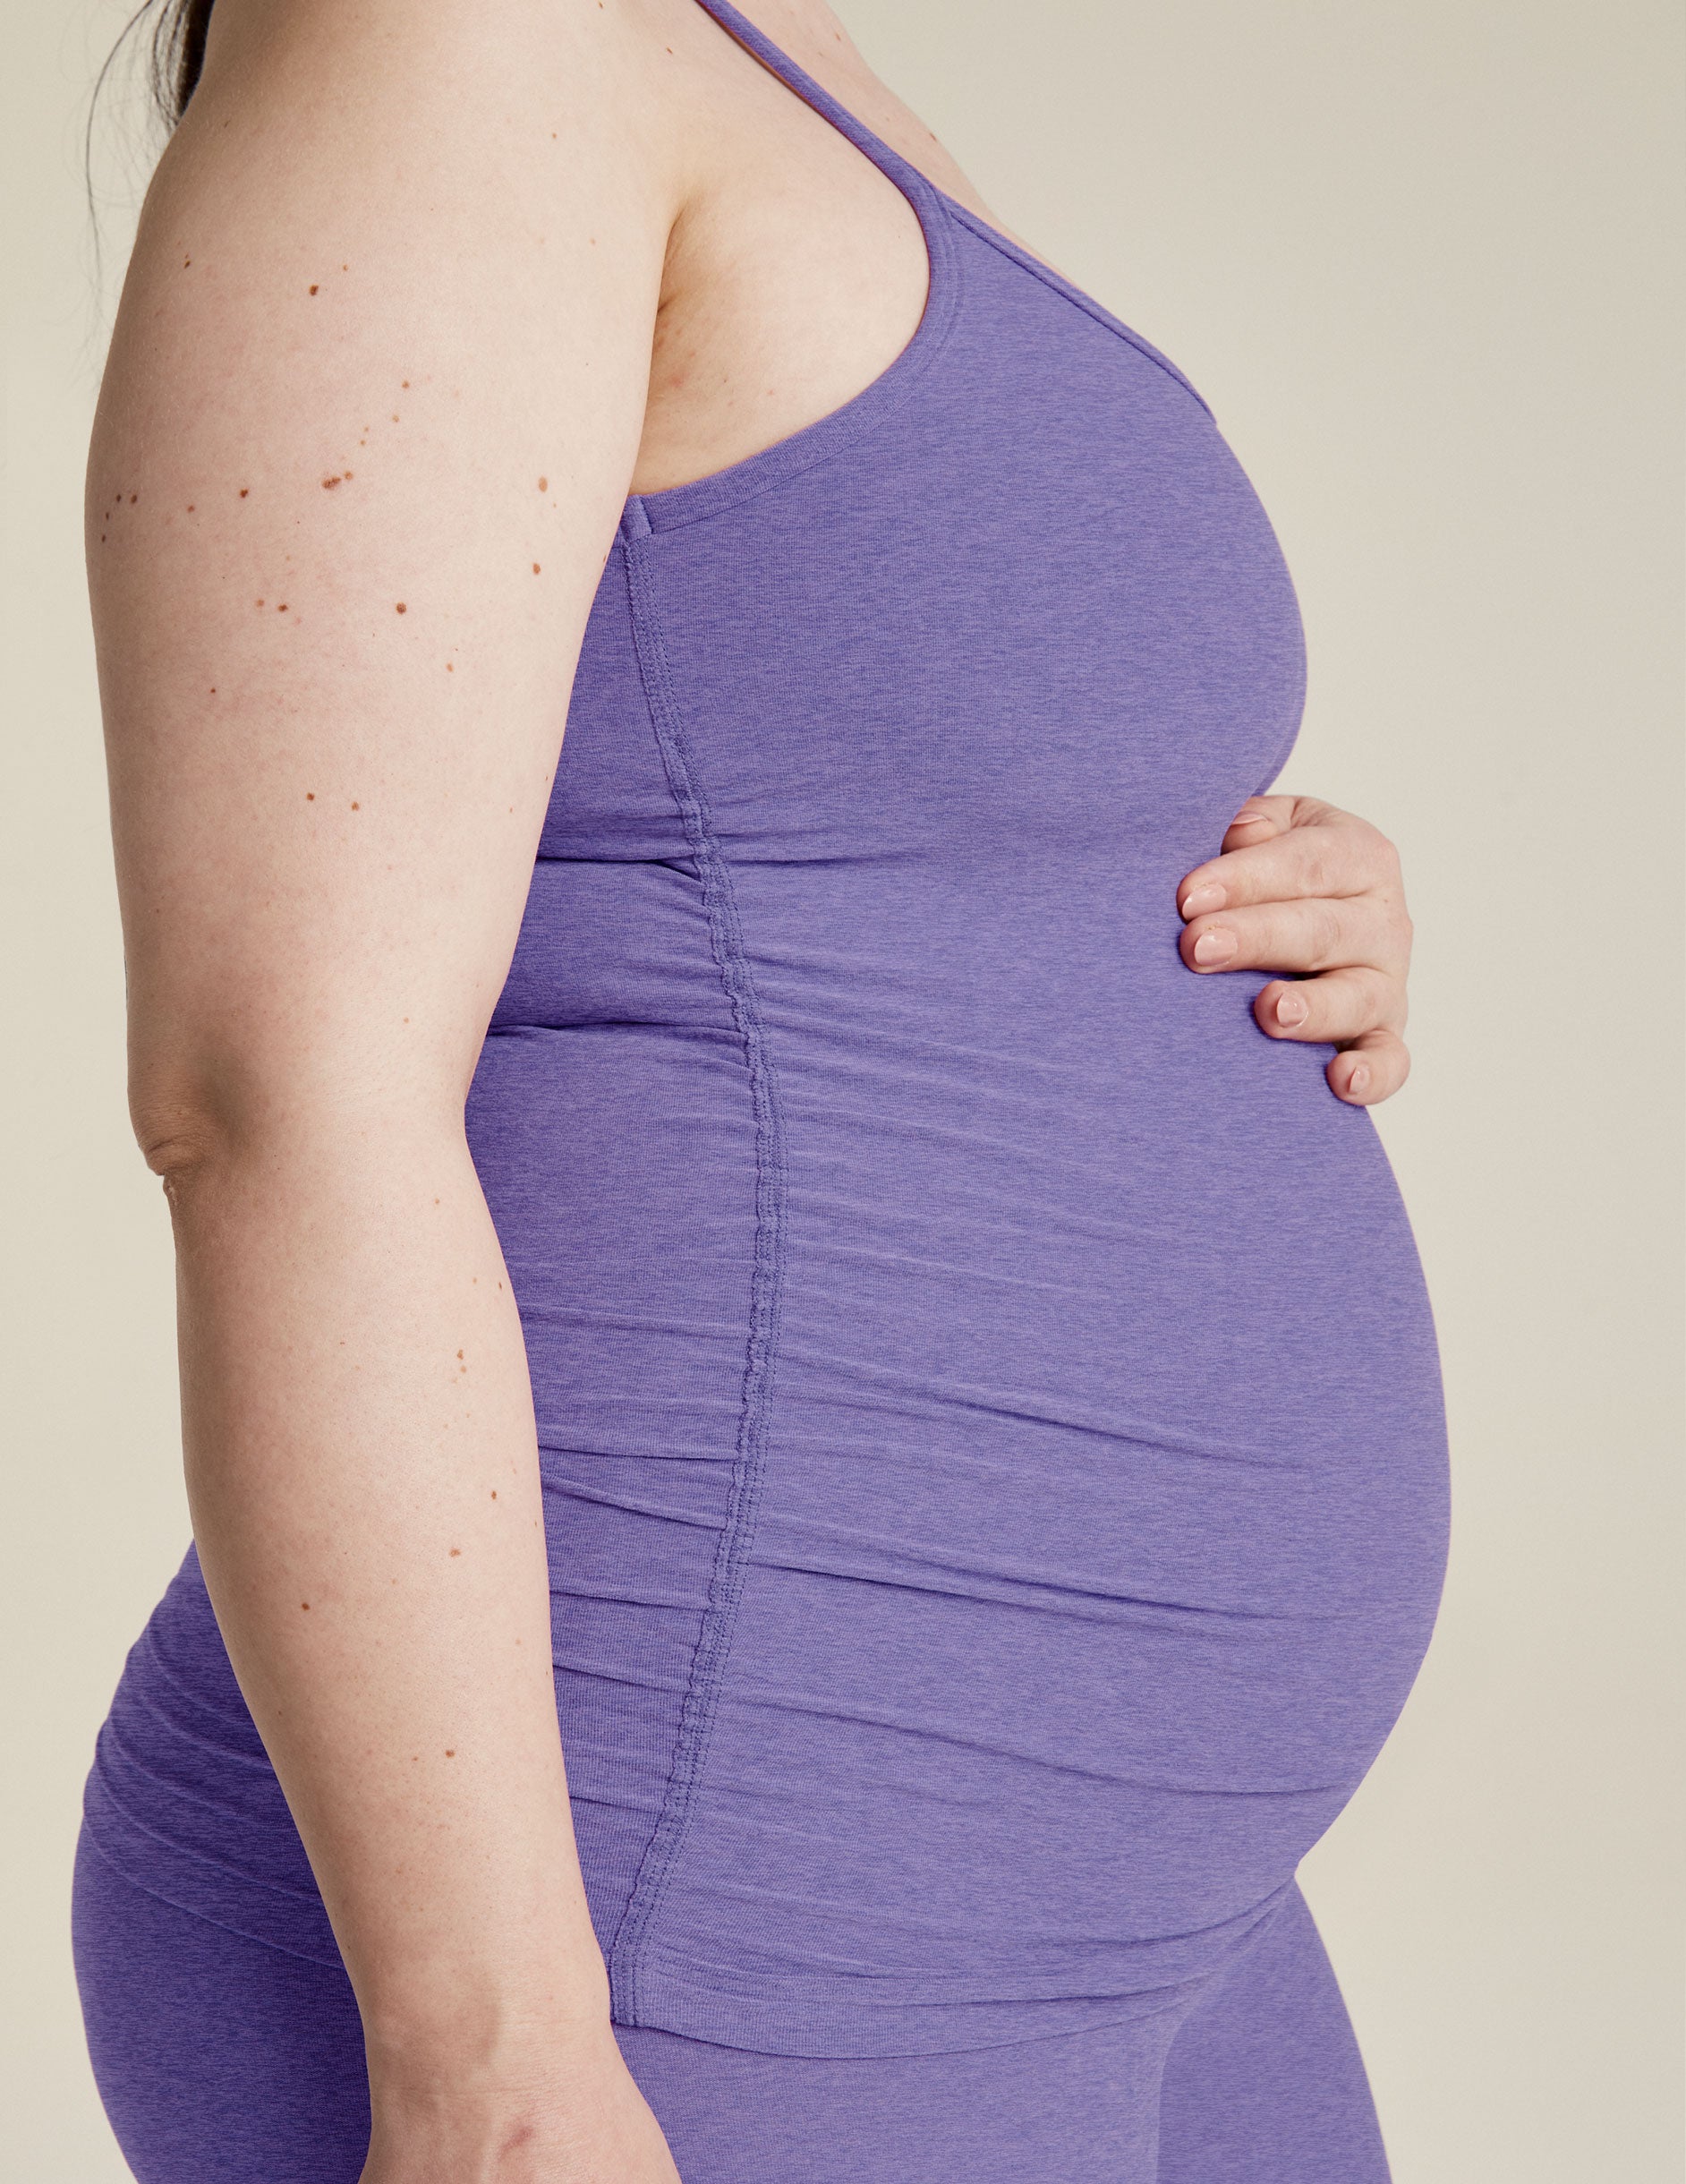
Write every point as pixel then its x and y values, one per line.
pixel 1097 1546
pixel 1144 1312
pixel 1090 1523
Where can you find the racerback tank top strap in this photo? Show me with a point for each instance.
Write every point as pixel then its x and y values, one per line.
pixel 682 504
pixel 906 177
pixel 939 213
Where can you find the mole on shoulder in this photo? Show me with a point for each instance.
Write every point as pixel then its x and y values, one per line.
pixel 313 285
pixel 544 485
pixel 399 607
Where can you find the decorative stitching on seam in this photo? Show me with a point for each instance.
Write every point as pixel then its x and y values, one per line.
pixel 732 1554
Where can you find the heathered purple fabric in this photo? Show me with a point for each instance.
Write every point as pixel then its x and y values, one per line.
pixel 989 1410
pixel 222 2060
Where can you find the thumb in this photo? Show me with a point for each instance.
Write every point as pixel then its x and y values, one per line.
pixel 1259 819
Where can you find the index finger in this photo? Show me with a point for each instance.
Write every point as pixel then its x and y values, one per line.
pixel 1322 853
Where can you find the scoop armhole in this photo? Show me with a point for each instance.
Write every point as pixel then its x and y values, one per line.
pixel 678 505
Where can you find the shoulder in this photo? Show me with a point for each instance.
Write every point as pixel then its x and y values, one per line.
pixel 504 93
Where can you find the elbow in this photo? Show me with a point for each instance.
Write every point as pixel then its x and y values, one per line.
pixel 198 1105
pixel 240 1118
pixel 181 1135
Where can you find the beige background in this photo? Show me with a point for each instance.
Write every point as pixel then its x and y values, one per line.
pixel 1420 256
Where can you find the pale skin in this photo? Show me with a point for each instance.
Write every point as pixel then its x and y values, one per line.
pixel 413 308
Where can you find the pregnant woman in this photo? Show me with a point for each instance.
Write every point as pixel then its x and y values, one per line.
pixel 812 1284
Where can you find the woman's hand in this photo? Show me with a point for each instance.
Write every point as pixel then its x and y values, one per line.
pixel 584 2121
pixel 1301 887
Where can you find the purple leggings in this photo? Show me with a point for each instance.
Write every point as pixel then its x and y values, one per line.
pixel 222 2060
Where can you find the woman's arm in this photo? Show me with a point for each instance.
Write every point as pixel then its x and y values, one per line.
pixel 372 403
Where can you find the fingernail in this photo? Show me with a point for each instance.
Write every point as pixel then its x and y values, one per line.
pixel 1217 946
pixel 1207 897
pixel 1360 1077
pixel 1292 1008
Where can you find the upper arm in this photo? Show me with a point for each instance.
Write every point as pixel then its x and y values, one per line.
pixel 373 400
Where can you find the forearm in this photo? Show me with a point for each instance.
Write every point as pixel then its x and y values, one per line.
pixel 364 1479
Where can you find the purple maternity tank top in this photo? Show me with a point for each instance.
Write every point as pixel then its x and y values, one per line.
pixel 988 1406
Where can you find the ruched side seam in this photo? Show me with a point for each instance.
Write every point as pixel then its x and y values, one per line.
pixel 737 1533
